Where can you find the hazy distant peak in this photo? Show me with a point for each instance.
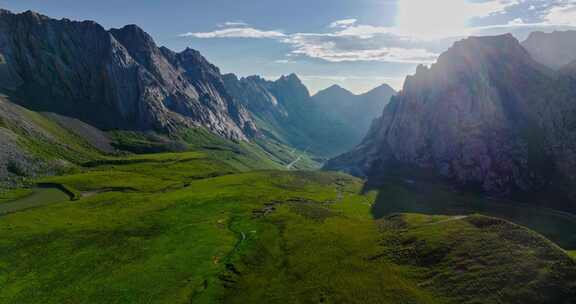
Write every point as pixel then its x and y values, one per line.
pixel 383 89
pixel 555 49
pixel 334 90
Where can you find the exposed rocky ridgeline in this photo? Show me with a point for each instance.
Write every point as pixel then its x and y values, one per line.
pixel 285 111
pixel 554 50
pixel 486 115
pixel 356 111
pixel 117 79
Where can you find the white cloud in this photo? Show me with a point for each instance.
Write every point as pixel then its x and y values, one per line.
pixel 517 21
pixel 343 23
pixel 354 46
pixel 236 32
pixel 233 24
pixel 423 29
pixel 562 14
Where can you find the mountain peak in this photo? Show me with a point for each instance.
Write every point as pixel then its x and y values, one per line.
pixel 468 57
pixel 333 91
pixel 33 14
pixel 554 50
pixel 134 38
pixel 190 51
pixel 292 77
pixel 383 89
pixel 486 45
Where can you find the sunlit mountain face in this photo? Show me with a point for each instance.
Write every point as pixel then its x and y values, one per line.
pixel 257 151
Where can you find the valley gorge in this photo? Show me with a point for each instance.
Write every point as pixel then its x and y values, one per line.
pixel 134 173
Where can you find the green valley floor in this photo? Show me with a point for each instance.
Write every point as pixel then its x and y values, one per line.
pixel 200 227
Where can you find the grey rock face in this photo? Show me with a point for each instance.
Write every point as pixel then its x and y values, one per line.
pixel 485 115
pixel 117 79
pixel 554 50
pixel 286 112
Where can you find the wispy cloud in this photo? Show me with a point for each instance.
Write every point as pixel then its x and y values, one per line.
pixel 563 14
pixel 343 23
pixel 233 24
pixel 358 45
pixel 418 36
pixel 236 32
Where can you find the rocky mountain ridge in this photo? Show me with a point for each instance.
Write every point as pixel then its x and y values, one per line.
pixel 285 111
pixel 486 116
pixel 116 79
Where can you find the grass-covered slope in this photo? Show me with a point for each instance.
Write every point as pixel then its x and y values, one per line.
pixel 36 144
pixel 198 227
pixel 478 259
pixel 418 196
pixel 33 144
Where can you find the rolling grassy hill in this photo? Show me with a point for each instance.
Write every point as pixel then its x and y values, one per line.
pixel 222 226
pixel 409 196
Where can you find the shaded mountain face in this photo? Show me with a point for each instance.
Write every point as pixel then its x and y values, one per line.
pixel 355 111
pixel 485 116
pixel 554 50
pixel 285 111
pixel 117 79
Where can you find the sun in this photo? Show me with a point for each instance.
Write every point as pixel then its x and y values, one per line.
pixel 434 18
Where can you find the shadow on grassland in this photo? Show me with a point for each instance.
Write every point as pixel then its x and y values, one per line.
pixel 402 195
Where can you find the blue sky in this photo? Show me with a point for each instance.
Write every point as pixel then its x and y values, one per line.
pixel 358 44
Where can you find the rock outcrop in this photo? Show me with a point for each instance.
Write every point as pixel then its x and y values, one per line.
pixel 116 79
pixel 487 116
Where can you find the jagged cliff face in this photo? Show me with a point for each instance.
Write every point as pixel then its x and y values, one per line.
pixel 117 79
pixel 286 112
pixel 485 115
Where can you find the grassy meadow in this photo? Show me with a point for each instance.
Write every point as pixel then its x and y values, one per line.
pixel 220 226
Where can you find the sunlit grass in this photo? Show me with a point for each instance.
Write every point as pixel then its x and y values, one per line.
pixel 197 227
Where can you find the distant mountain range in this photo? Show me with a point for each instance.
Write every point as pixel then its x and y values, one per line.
pixel 328 123
pixel 355 111
pixel 487 116
pixel 119 79
pixel 493 114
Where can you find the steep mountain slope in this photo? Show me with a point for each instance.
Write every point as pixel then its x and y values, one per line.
pixel 32 143
pixel 117 79
pixel 554 50
pixel 355 111
pixel 485 116
pixel 284 111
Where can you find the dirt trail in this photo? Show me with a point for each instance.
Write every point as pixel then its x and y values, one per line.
pixel 291 165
